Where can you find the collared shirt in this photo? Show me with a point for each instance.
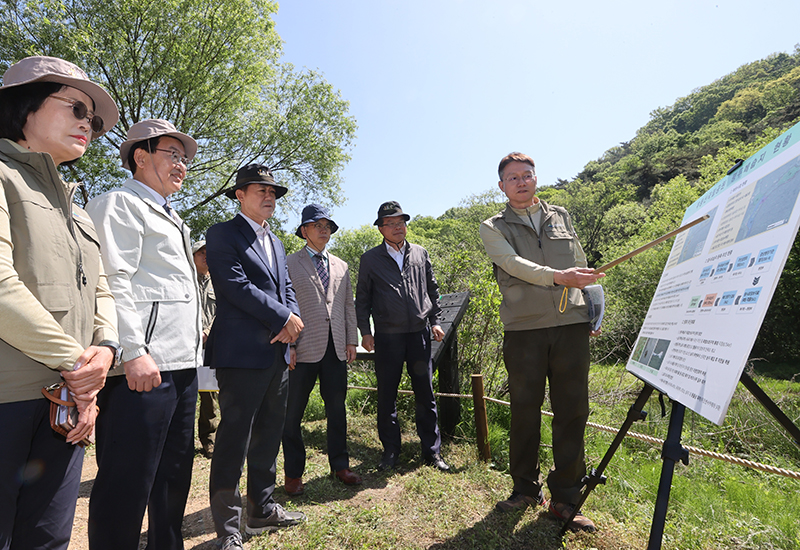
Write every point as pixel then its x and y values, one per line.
pixel 164 203
pixel 155 194
pixel 261 234
pixel 324 253
pixel 397 255
pixel 532 216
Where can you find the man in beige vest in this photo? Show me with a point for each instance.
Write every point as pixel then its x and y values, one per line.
pixel 207 419
pixel 540 267
pixel 325 295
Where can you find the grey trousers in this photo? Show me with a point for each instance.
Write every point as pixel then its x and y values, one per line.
pixel 252 405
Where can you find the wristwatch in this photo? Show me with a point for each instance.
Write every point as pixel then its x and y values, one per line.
pixel 115 348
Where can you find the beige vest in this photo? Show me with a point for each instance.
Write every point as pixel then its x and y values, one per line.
pixel 526 306
pixel 57 257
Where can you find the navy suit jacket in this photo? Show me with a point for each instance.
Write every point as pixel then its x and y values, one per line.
pixel 253 301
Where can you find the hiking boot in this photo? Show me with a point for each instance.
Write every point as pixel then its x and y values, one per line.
pixel 562 511
pixel 278 519
pixel 208 449
pixel 231 542
pixel 518 501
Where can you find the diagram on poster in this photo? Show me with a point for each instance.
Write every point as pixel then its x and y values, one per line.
pixel 719 279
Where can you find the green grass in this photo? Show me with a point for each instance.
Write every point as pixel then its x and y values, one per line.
pixel 713 504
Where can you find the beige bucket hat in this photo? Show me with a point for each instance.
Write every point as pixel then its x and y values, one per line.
pixel 154 127
pixel 41 68
pixel 197 246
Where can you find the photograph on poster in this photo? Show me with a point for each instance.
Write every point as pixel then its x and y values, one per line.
pixel 719 279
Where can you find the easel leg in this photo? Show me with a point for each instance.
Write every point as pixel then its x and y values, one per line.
pixel 595 476
pixel 671 452
pixel 771 407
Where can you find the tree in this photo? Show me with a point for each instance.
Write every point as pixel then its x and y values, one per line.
pixel 211 68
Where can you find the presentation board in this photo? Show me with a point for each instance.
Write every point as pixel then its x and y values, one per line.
pixel 719 279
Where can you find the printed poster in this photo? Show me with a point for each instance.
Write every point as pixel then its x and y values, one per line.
pixel 719 280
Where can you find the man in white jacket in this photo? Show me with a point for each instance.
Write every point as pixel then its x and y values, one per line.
pixel 145 433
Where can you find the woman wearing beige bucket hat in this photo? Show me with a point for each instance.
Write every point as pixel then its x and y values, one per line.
pixel 57 318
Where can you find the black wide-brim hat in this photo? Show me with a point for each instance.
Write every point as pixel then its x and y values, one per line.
pixel 390 209
pixel 313 213
pixel 255 173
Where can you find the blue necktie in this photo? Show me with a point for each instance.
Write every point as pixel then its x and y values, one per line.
pixel 322 270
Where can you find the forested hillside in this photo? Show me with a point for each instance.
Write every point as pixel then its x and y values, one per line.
pixel 635 192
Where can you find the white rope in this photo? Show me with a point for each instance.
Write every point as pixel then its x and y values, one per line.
pixel 635 435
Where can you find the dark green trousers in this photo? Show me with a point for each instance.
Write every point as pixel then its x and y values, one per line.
pixel 559 355
pixel 208 420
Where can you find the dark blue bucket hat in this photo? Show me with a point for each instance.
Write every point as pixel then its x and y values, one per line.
pixel 313 213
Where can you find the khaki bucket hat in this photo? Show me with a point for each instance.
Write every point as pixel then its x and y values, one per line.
pixel 197 246
pixel 52 69
pixel 154 127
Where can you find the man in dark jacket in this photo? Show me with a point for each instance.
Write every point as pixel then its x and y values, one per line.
pixel 396 286
pixel 257 318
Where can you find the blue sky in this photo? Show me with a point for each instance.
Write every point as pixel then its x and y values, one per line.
pixel 443 89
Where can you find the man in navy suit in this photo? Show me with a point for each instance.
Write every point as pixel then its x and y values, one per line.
pixel 257 318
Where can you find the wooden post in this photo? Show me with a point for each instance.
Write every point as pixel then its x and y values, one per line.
pixel 481 421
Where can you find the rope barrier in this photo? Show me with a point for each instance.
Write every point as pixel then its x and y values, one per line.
pixel 642 437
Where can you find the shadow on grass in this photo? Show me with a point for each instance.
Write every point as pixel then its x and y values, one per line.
pixel 499 530
pixel 85 489
pixel 196 525
pixel 364 461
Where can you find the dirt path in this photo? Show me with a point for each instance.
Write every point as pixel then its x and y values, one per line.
pixel 198 529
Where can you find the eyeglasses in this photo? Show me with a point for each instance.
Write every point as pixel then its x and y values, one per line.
pixel 394 225
pixel 527 177
pixel 177 158
pixel 81 111
pixel 319 226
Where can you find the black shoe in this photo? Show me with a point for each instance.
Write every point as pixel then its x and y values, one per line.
pixel 278 519
pixel 437 462
pixel 388 462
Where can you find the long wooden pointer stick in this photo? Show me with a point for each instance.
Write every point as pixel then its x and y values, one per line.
pixel 651 244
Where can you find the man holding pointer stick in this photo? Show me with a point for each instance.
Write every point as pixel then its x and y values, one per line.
pixel 536 254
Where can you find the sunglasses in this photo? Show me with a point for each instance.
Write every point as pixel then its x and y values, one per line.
pixel 81 111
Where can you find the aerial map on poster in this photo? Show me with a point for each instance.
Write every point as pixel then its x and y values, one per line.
pixel 719 280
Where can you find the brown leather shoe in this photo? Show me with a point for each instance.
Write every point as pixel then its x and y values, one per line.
pixel 518 501
pixel 348 477
pixel 208 449
pixel 293 486
pixel 562 511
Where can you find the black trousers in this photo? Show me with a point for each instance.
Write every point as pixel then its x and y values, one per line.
pixel 413 349
pixel 252 405
pixel 560 355
pixel 145 452
pixel 40 474
pixel 332 374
